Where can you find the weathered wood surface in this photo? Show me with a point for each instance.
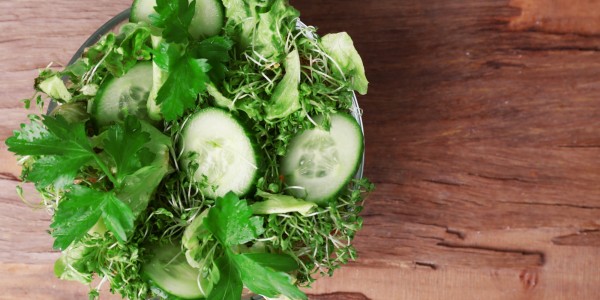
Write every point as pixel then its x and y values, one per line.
pixel 483 136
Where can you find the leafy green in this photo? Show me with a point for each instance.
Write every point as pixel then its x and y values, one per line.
pixel 58 138
pixel 286 96
pixel 125 144
pixel 72 112
pixel 71 264
pixel 138 187
pixel 174 17
pixel 232 223
pixel 188 70
pixel 219 99
pixel 44 171
pixel 64 145
pixel 275 261
pixel 241 20
pixel 216 51
pixel 279 203
pixel 55 88
pixel 346 60
pixel 165 55
pixel 229 286
pixel 186 80
pixel 273 26
pixel 116 54
pixel 82 208
pixel 264 280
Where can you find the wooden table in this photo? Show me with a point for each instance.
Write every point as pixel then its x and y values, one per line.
pixel 483 136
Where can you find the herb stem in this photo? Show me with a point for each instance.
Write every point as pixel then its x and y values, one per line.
pixel 105 169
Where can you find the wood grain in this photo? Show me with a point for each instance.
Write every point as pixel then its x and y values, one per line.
pixel 482 125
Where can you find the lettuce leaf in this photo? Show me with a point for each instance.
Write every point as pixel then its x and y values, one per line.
pixel 347 61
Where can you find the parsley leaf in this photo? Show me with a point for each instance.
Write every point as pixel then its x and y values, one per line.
pixel 216 51
pixel 165 55
pixel 81 209
pixel 117 216
pixel 44 171
pixel 278 262
pixel 174 17
pixel 264 280
pixel 65 149
pixel 125 144
pixel 229 285
pixel 231 221
pixel 186 80
pixel 60 138
pixel 139 187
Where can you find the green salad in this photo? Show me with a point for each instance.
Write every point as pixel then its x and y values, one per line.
pixel 206 147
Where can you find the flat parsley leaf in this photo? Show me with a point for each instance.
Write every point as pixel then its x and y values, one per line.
pixel 186 80
pixel 216 51
pixel 125 144
pixel 278 262
pixel 264 280
pixel 231 221
pixel 60 138
pixel 230 284
pixel 80 210
pixel 59 171
pixel 174 17
pixel 65 149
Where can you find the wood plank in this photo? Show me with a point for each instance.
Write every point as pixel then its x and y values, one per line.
pixel 482 125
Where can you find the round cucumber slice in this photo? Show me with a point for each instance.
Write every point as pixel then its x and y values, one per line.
pixel 169 270
pixel 141 10
pixel 319 163
pixel 208 19
pixel 126 95
pixel 223 150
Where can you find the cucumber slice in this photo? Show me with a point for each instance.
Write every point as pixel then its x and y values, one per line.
pixel 169 270
pixel 141 10
pixel 126 95
pixel 223 149
pixel 319 163
pixel 208 18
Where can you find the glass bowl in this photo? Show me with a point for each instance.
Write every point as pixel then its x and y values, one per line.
pixel 121 18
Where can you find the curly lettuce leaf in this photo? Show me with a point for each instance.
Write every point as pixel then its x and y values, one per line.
pixel 346 60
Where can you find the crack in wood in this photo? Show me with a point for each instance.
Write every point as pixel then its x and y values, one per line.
pixel 558 49
pixel 499 178
pixel 579 146
pixel 461 235
pixel 9 176
pixel 426 264
pixel 553 204
pixel 443 182
pixel 338 296
pixel 494 64
pixel 540 261
pixel 586 237
pixel 431 237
